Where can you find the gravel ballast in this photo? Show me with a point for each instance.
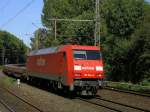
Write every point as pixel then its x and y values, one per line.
pixel 3 108
pixel 52 102
pixel 126 98
pixel 46 100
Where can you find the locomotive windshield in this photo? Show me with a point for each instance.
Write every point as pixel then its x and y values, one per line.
pixel 86 54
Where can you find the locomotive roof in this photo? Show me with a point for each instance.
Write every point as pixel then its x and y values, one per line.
pixel 55 49
pixel 43 51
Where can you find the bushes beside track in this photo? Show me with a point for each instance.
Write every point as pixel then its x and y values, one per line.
pixel 7 81
pixel 129 86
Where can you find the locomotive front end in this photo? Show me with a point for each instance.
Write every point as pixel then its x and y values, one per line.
pixel 88 71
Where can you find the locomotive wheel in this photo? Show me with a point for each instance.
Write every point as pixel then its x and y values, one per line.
pixel 94 90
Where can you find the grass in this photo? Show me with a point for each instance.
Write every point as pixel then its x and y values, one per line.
pixel 7 81
pixel 129 86
pixel 1 67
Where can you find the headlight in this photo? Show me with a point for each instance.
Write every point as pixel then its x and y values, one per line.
pixel 77 74
pixel 76 67
pixel 99 68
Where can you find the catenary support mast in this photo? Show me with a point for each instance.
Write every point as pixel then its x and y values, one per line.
pixel 97 24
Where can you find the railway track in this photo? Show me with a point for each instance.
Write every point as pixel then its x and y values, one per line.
pixel 6 106
pixel 116 106
pixel 112 105
pixel 21 99
pixel 100 105
pixel 127 91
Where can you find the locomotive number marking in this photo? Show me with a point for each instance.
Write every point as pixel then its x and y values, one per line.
pixel 87 68
pixel 89 75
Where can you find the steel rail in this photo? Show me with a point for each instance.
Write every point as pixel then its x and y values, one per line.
pixel 125 105
pixel 23 100
pixel 126 91
pixel 6 106
pixel 107 107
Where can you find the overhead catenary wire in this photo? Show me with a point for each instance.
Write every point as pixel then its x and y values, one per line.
pixel 66 20
pixel 77 20
pixel 17 14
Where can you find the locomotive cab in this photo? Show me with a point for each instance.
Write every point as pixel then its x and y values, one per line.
pixel 88 70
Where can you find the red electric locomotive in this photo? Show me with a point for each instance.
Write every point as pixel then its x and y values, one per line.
pixel 79 68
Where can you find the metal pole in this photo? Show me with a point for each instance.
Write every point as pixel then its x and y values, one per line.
pixel 69 20
pixel 97 24
pixel 95 33
pixel 37 47
pixel 55 28
pixel 3 55
pixel 36 41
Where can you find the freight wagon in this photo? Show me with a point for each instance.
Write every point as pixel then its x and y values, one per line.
pixel 73 67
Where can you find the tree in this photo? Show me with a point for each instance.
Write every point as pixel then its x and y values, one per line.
pixel 124 33
pixel 123 16
pixel 12 50
pixel 70 32
pixel 39 39
pixel 123 52
pixel 140 50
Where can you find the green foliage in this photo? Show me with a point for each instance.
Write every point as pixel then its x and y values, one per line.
pixel 7 81
pixel 126 45
pixel 129 59
pixel 145 82
pixel 11 48
pixel 141 52
pixel 122 16
pixel 125 32
pixel 40 39
pixel 70 32
pixel 130 86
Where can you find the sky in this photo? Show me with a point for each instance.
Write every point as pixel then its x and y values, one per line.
pixel 22 26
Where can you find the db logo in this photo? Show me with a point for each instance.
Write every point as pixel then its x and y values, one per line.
pixel 87 68
pixel 41 62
